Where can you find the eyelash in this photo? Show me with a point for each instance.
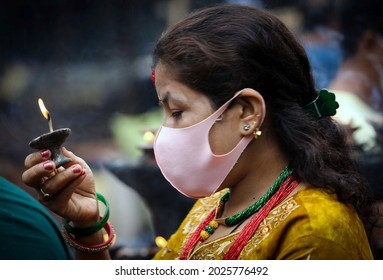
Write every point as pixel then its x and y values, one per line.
pixel 176 114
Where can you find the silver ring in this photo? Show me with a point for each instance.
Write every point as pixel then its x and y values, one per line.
pixel 46 196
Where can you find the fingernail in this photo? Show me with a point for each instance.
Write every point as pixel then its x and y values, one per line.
pixel 48 165
pixel 45 154
pixel 76 169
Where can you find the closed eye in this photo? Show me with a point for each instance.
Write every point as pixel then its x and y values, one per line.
pixel 176 114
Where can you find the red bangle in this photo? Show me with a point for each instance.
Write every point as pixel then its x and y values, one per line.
pixel 87 247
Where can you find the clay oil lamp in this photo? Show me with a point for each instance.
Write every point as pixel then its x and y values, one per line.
pixel 53 140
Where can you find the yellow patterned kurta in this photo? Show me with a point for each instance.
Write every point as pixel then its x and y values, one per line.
pixel 311 224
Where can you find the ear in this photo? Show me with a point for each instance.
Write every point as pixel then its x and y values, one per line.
pixel 253 110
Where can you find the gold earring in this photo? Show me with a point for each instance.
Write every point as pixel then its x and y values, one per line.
pixel 257 133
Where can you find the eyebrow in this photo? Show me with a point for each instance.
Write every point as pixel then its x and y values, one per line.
pixel 168 96
pixel 165 99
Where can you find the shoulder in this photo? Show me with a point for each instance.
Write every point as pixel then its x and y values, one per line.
pixel 27 229
pixel 322 200
pixel 325 227
pixel 325 212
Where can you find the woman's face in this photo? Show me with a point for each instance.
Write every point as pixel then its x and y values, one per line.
pixel 184 107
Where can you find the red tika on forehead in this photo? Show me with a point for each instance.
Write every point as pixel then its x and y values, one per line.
pixel 153 77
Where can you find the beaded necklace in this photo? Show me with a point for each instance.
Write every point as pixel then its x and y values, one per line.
pixel 246 213
pixel 281 188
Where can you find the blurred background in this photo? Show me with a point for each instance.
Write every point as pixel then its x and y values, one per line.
pixel 90 61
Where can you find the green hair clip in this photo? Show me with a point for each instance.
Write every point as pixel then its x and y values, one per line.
pixel 324 105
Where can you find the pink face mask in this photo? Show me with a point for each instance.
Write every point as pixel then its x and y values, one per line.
pixel 186 160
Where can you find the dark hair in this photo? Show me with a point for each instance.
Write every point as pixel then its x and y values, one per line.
pixel 356 17
pixel 223 49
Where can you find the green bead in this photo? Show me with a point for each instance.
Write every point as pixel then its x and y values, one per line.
pixel 225 196
pixel 209 229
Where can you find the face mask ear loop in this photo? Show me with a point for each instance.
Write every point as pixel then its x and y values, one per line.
pixel 220 118
pixel 227 105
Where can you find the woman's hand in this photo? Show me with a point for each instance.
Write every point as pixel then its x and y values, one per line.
pixel 69 192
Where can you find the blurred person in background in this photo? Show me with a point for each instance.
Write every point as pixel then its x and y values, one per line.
pixel 358 86
pixel 361 71
pixel 358 83
pixel 321 38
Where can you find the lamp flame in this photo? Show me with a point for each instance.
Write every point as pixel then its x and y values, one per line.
pixel 149 136
pixel 45 113
pixel 43 109
pixel 160 242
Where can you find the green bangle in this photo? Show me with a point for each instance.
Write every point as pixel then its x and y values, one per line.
pixel 94 228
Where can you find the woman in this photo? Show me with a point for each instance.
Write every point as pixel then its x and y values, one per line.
pixel 245 131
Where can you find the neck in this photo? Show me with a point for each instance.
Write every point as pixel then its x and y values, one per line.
pixel 261 170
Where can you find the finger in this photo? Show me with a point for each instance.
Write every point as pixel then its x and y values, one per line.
pixel 37 157
pixel 37 174
pixel 75 159
pixel 58 202
pixel 63 179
